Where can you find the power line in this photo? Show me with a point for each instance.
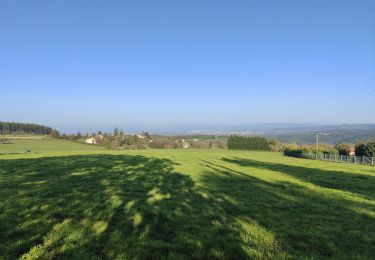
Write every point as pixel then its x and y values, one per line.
pixel 355 102
pixel 355 111
pixel 363 109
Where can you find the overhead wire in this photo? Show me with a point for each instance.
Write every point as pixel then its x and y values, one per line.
pixel 355 103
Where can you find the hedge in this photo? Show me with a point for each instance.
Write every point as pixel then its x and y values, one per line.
pixel 256 143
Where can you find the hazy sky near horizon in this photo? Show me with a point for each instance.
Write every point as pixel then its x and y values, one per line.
pixel 71 64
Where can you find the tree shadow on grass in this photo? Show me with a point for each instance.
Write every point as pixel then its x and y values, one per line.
pixel 305 223
pixel 109 206
pixel 362 184
pixel 121 206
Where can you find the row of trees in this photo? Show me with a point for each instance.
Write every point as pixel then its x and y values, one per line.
pixel 26 128
pixel 256 143
pixel 366 149
pixel 176 143
pixel 117 139
pixel 360 149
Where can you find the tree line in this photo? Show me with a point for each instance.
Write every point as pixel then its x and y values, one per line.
pixel 361 149
pixel 366 149
pixel 26 128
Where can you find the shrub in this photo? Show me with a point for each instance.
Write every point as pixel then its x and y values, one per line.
pixel 331 151
pixel 344 149
pixel 295 152
pixel 360 149
pixel 198 145
pixel 162 143
pixel 165 143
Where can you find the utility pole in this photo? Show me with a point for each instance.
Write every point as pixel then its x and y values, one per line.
pixel 317 142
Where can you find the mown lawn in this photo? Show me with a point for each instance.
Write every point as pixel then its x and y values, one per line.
pixel 38 144
pixel 184 204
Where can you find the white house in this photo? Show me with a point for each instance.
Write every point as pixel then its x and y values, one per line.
pixel 140 136
pixel 91 140
pixel 183 143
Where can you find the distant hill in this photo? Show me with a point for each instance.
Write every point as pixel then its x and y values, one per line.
pixel 327 136
pixel 304 134
pixel 301 134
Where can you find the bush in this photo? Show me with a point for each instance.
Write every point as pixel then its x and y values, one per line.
pixel 344 149
pixel 165 143
pixel 256 143
pixel 360 149
pixel 331 151
pixel 162 143
pixel 295 152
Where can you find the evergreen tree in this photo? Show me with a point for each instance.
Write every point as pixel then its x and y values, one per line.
pixel 115 132
pixel 370 149
pixel 26 128
pixel 55 134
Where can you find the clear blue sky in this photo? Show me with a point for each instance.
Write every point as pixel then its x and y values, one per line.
pixel 82 64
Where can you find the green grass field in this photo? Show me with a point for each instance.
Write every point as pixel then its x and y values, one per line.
pixel 80 203
pixel 41 144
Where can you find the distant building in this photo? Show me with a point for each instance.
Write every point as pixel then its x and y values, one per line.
pixel 140 136
pixel 91 140
pixel 185 144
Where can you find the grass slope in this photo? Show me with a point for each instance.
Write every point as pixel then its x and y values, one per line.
pixel 184 204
